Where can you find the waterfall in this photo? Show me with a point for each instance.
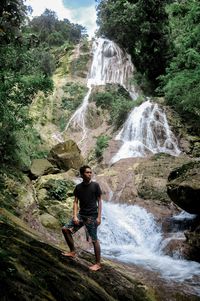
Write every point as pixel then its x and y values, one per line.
pixel 130 234
pixel 146 131
pixel 77 121
pixel 109 65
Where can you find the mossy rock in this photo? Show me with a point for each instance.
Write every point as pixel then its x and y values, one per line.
pixel 66 155
pixel 41 167
pixel 31 267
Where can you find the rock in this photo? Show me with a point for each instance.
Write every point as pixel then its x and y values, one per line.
pixel 26 199
pixel 49 221
pixel 140 177
pixel 66 155
pixel 184 187
pixel 184 190
pixel 193 240
pixel 31 267
pixel 55 195
pixel 41 167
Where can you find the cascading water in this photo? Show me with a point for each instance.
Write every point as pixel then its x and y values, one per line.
pixel 130 234
pixel 146 131
pixel 110 65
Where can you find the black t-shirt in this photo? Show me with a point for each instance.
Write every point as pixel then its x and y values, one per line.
pixel 87 195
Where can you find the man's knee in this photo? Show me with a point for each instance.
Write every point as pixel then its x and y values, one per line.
pixel 95 241
pixel 66 230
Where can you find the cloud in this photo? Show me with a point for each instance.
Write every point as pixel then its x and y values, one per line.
pixel 85 16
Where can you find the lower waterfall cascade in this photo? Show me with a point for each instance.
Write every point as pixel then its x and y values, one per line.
pixel 146 131
pixel 130 234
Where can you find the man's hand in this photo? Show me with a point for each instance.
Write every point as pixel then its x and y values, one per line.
pixel 98 221
pixel 76 220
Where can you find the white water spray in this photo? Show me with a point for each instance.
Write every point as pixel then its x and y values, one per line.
pixel 146 131
pixel 130 234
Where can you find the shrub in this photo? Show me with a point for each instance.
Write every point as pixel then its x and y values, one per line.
pixel 101 144
pixel 117 102
pixel 59 189
pixel 74 95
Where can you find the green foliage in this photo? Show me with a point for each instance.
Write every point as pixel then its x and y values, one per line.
pixel 183 91
pixel 117 102
pixel 59 189
pixel 24 71
pixel 55 32
pixel 101 145
pixel 26 64
pixel 12 16
pixel 18 84
pixel 181 84
pixel 11 180
pixel 74 94
pixel 28 146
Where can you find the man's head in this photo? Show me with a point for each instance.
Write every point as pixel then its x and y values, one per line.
pixel 86 173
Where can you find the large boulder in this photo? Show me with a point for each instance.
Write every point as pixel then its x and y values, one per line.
pixel 54 195
pixel 184 187
pixel 41 167
pixel 66 155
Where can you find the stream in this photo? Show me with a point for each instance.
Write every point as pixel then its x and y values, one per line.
pixel 130 234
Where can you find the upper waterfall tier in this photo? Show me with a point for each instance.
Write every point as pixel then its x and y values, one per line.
pixel 111 65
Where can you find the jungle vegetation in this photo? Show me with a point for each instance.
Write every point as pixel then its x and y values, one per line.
pixel 27 61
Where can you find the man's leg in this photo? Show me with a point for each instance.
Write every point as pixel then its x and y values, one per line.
pixel 70 242
pixel 97 252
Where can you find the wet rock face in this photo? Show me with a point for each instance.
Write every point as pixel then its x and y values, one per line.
pixel 66 155
pixel 184 187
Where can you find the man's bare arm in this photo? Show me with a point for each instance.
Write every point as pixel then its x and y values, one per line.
pixel 99 210
pixel 75 210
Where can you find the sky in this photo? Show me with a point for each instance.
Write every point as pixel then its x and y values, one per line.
pixel 76 11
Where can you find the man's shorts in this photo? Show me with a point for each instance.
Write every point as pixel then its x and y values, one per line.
pixel 88 221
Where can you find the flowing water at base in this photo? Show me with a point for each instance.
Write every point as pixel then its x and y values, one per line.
pixel 130 234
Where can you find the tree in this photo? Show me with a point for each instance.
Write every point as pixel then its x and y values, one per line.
pixel 55 32
pixel 181 84
pixel 21 76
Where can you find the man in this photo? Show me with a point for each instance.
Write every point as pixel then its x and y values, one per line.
pixel 88 199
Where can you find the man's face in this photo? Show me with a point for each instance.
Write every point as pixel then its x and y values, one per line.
pixel 87 175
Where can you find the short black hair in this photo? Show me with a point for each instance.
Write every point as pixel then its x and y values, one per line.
pixel 83 168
